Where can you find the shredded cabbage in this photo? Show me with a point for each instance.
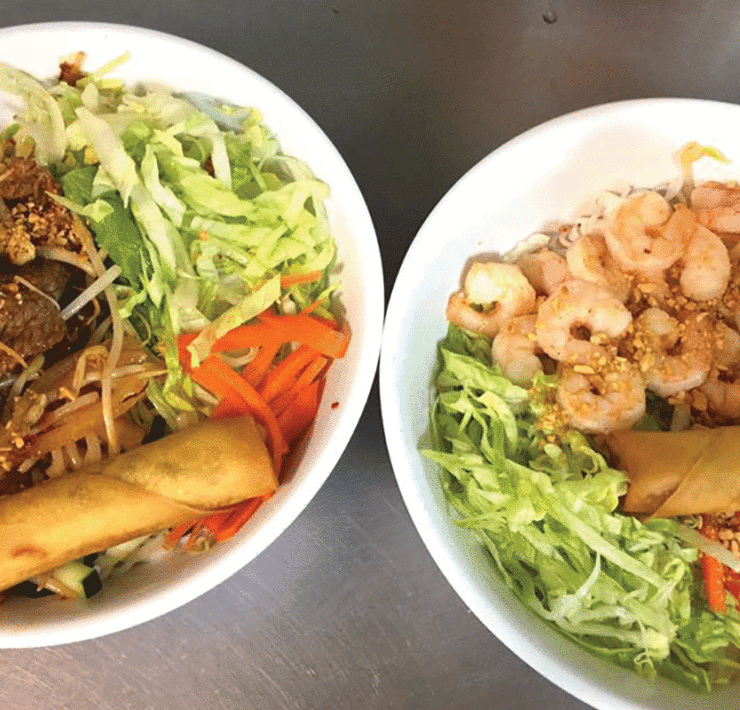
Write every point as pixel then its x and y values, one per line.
pixel 546 510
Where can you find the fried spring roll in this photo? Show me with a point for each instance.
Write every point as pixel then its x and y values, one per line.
pixel 679 473
pixel 181 477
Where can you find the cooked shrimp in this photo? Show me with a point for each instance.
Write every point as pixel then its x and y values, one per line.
pixel 515 350
pixel 727 351
pixel 492 294
pixel 602 402
pixel 723 398
pixel 589 259
pixel 544 269
pixel 707 267
pixel 646 236
pixel 717 206
pixel 574 305
pixel 674 356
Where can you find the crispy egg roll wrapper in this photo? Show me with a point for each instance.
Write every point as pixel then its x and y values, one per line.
pixel 679 473
pixel 184 476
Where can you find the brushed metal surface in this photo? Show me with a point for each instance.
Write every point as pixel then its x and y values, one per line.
pixel 346 609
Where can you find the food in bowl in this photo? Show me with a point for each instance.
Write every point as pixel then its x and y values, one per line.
pixel 168 320
pixel 585 422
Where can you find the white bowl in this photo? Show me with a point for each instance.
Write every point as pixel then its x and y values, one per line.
pixel 540 177
pixel 155 589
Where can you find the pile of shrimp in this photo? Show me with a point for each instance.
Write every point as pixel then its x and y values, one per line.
pixel 641 297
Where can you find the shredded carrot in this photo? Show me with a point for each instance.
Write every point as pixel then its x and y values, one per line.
pixel 282 402
pixel 714 584
pixel 296 279
pixel 284 375
pixel 714 577
pixel 217 377
pixel 176 533
pixel 311 331
pixel 312 371
pixel 285 399
pixel 301 413
pixel 238 517
pixel 255 370
pixel 228 408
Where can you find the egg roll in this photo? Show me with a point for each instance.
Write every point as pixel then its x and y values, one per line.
pixel 679 473
pixel 186 475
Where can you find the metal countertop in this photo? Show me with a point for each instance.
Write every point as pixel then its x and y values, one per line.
pixel 346 609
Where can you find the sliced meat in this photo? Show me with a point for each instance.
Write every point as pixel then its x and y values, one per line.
pixel 30 322
pixel 51 277
pixel 29 217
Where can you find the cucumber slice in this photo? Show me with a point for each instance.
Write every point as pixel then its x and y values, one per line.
pixel 79 578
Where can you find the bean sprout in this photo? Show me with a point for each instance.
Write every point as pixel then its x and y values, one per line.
pixel 13 354
pixel 33 288
pixel 100 284
pixel 116 346
pixel 20 382
pixel 67 409
pixel 68 257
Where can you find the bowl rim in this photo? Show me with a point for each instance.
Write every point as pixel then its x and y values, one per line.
pixel 208 575
pixel 562 674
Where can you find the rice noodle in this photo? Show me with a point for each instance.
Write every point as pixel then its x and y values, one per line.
pixel 91 292
pixel 26 465
pixel 73 454
pixel 97 337
pixel 93 453
pixel 57 464
pixel 68 257
pixel 116 346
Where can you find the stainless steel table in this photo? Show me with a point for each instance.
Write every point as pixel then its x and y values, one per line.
pixel 347 609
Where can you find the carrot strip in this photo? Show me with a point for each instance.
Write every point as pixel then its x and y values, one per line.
pixel 296 279
pixel 238 517
pixel 311 372
pixel 315 332
pixel 215 375
pixel 714 584
pixel 282 401
pixel 301 413
pixel 284 375
pixel 251 335
pixel 714 577
pixel 244 336
pixel 174 535
pixel 228 408
pixel 309 331
pixel 255 371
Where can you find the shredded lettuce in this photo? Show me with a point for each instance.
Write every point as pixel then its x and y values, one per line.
pixel 545 508
pixel 42 119
pixel 191 196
